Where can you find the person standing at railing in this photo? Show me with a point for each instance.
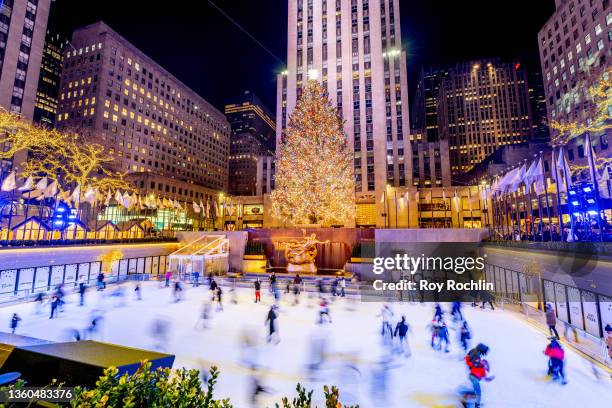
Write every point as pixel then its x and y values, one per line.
pixel 609 340
pixel 196 279
pixel 168 276
pixel 82 288
pixel 551 320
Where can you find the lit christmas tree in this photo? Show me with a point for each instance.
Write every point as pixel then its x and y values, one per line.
pixel 314 171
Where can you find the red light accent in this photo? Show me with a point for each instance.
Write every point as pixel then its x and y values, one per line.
pixel 517 66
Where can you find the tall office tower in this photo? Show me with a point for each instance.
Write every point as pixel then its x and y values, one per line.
pixel 45 109
pixel 424 109
pixel 173 141
pixel 253 137
pixel 353 47
pixel 482 106
pixel 574 48
pixel 23 24
pixel 537 98
pixel 430 154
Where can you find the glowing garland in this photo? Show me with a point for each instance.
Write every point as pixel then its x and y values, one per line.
pixel 314 182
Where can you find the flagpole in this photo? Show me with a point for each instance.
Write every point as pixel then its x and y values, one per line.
pixel 395 197
pixel 531 211
pixel 471 206
pixel 547 204
pixel 407 209
pixel 567 189
pixel 593 172
pixel 444 204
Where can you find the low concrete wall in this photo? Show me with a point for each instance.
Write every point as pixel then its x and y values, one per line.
pixel 33 257
pixel 407 235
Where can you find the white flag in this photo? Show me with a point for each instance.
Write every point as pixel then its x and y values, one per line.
pixel 90 195
pixel 10 182
pixel 28 185
pixel 51 190
pixel 109 196
pixel 538 178
pixel 564 171
pixel 519 177
pixel 590 154
pixel 119 197
pixel 135 200
pixel 456 199
pixel 530 174
pixel 42 184
pixel 75 197
pixel 196 208
pixel 126 200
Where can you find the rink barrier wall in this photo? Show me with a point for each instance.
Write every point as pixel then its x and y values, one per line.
pixel 586 311
pixel 22 283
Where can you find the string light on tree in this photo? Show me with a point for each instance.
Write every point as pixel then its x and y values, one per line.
pixel 314 182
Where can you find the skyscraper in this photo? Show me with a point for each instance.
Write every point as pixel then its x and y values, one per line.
pixel 253 138
pixel 23 24
pixel 353 47
pixel 482 106
pixel 170 139
pixel 424 113
pixel 574 46
pixel 45 109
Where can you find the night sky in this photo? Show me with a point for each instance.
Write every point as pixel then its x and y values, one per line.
pixel 212 56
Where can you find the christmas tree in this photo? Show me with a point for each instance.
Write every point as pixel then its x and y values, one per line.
pixel 314 171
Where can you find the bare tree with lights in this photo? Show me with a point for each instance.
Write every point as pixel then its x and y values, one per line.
pixel 314 181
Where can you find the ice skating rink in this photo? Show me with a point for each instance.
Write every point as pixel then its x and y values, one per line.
pixel 349 351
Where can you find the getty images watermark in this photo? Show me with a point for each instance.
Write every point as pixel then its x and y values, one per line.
pixel 411 265
pixel 436 272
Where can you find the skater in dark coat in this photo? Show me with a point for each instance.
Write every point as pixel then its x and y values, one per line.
pixel 487 297
pixel 213 285
pixel 219 298
pixel 15 322
pixel 401 332
pixel 54 304
pixel 465 336
pixel 438 312
pixel 82 288
pixel 271 321
pixel 257 290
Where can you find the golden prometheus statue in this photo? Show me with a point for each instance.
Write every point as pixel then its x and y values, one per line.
pixel 301 253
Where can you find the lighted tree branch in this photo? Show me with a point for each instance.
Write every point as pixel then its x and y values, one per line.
pixel 595 115
pixel 67 158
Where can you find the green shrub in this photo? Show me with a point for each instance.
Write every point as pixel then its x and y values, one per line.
pixel 180 388
pixel 162 387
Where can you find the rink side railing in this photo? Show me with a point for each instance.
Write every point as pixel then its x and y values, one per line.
pixel 23 283
pixel 580 311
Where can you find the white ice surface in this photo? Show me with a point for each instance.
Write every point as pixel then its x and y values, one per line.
pixel 427 379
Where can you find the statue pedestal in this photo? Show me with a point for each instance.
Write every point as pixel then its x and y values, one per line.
pixel 302 268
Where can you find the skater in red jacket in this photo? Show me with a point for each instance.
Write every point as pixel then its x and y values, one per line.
pixel 478 367
pixel 556 355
